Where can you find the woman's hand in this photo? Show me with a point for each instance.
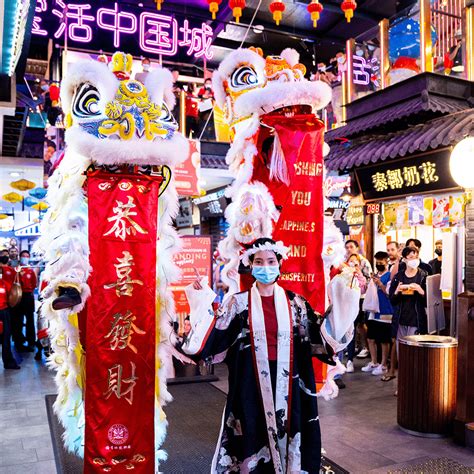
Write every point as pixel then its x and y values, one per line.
pixel 398 290
pixel 417 288
pixel 197 284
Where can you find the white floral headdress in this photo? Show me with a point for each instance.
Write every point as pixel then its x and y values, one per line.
pixel 276 247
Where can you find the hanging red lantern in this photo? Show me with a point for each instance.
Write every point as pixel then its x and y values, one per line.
pixel 214 7
pixel 158 4
pixel 237 7
pixel 348 7
pixel 277 7
pixel 315 9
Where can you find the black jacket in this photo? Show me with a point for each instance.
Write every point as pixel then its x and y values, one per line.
pixel 420 301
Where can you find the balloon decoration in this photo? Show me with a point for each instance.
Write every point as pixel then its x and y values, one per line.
pixel 315 9
pixel 40 206
pixel 237 7
pixel 22 185
pixel 277 7
pixel 30 202
pixel 54 94
pixel 348 7
pixel 214 7
pixel 404 39
pixel 12 197
pixel 38 193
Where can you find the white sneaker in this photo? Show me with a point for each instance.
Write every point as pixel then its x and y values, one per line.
pixel 379 370
pixel 369 367
pixel 349 367
pixel 363 354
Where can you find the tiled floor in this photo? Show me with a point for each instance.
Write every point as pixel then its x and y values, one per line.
pixel 359 427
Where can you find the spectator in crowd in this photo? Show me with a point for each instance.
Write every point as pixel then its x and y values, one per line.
pixel 353 248
pixel 206 94
pixel 455 55
pixel 408 295
pixel 48 157
pixel 393 253
pixel 141 76
pixel 25 309
pixel 192 111
pixel 6 281
pixel 416 244
pixel 13 255
pixel 379 324
pixel 436 263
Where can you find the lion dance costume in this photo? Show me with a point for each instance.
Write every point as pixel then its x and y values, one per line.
pixel 108 242
pixel 277 157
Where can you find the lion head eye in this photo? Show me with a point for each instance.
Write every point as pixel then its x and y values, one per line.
pixel 86 101
pixel 244 76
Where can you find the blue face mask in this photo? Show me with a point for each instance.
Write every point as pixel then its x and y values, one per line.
pixel 24 260
pixel 266 274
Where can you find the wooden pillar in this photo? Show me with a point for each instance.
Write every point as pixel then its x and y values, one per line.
pixel 426 47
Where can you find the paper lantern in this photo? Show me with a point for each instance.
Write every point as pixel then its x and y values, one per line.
pixel 22 185
pixel 40 206
pixel 315 9
pixel 461 163
pixel 38 193
pixel 54 94
pixel 12 197
pixel 348 7
pixel 30 202
pixel 158 4
pixel 237 7
pixel 214 7
pixel 277 7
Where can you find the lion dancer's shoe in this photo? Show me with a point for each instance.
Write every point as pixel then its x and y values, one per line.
pixel 68 296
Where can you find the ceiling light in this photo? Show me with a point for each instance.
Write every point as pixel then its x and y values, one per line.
pixel 258 29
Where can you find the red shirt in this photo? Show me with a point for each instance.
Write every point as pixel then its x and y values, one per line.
pixel 28 280
pixel 8 273
pixel 5 287
pixel 271 325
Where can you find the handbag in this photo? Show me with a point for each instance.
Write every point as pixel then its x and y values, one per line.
pixel 371 300
pixel 16 292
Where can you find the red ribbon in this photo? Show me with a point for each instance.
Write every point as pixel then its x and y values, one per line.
pixel 120 342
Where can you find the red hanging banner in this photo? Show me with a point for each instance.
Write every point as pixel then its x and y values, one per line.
pixel 120 343
pixel 301 221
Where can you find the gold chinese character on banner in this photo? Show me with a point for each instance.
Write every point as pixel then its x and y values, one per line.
pixel 124 225
pixel 124 284
pixel 411 176
pixel 428 172
pixel 380 182
pixel 394 179
pixel 121 332
pixel 119 386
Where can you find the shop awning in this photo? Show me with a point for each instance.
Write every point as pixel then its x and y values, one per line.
pixel 372 148
pixel 425 104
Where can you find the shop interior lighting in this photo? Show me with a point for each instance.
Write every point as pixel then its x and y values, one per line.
pixel 346 194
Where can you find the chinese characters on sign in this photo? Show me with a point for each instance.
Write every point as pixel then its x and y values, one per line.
pixel 407 176
pixel 118 385
pixel 123 328
pixel 124 284
pixel 124 225
pixel 158 33
pixel 364 70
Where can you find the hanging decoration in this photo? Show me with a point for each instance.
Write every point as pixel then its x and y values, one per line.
pixel 30 202
pixel 3 216
pixel 40 206
pixel 54 94
pixel 12 197
pixel 277 7
pixel 214 7
pixel 348 7
pixel 22 185
pixel 158 4
pixel 315 9
pixel 38 193
pixel 237 7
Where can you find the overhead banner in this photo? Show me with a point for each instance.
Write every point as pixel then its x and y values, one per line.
pixel 195 255
pixel 121 324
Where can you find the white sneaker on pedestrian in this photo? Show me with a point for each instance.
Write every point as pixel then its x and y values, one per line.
pixel 363 354
pixel 379 370
pixel 349 367
pixel 369 367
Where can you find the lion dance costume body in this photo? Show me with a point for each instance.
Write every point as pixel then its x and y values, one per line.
pixel 108 243
pixel 277 157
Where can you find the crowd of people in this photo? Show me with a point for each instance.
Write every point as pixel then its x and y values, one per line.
pixel 18 282
pixel 392 305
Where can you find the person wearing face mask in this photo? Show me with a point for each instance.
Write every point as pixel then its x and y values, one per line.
pixel 264 334
pixel 25 309
pixel 7 275
pixel 416 244
pixel 437 262
pixel 141 76
pixel 408 295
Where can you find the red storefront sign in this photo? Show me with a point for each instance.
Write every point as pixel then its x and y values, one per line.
pixel 121 343
pixel 186 173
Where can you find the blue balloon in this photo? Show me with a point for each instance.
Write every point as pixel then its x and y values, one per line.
pixel 404 39
pixel 29 201
pixel 38 193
